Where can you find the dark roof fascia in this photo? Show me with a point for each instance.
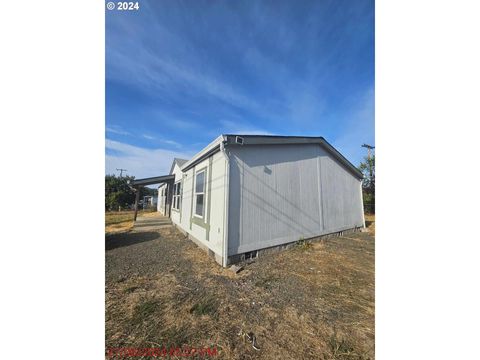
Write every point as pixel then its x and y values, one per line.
pixel 152 180
pixel 203 157
pixel 284 140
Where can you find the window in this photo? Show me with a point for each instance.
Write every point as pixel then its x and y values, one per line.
pixel 200 193
pixel 177 197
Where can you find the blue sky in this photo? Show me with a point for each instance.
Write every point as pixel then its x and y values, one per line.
pixel 180 73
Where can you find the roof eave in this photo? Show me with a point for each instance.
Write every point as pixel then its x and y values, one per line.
pixel 207 151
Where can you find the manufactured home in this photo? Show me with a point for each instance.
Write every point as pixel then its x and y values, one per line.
pixel 243 195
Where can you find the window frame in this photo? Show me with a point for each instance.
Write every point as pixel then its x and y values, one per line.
pixel 204 171
pixel 177 194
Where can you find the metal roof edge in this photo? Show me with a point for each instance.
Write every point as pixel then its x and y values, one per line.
pixel 202 154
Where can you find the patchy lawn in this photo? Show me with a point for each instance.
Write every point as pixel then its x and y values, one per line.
pixel 122 221
pixel 311 302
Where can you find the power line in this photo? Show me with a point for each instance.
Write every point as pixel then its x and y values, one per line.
pixel 369 147
pixel 121 171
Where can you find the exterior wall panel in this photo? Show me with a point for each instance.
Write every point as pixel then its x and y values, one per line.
pixel 209 231
pixel 282 193
pixel 341 196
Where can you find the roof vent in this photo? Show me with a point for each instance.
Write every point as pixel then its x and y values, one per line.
pixel 239 140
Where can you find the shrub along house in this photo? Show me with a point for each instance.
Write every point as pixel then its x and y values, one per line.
pixel 244 194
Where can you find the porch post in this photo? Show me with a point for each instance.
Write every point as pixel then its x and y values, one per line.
pixel 137 197
pixel 170 198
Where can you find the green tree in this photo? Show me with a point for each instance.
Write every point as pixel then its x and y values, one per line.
pixel 118 194
pixel 368 169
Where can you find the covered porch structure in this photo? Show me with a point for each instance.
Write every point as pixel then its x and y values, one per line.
pixel 137 184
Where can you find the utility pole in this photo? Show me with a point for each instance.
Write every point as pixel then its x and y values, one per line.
pixel 369 147
pixel 370 189
pixel 121 171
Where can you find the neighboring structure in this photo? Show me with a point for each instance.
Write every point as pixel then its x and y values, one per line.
pixel 162 204
pixel 162 199
pixel 149 201
pixel 245 193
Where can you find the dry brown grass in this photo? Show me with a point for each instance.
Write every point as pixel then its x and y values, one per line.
pixel 122 221
pixel 370 222
pixel 118 221
pixel 312 303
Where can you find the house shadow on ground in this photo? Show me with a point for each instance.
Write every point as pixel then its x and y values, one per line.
pixel 114 241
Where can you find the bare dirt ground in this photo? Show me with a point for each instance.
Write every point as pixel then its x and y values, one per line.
pixel 315 301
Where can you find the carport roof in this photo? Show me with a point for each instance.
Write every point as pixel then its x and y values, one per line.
pixel 152 180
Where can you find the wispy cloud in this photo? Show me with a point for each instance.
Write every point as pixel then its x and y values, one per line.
pixel 240 67
pixel 163 76
pixel 116 130
pixel 162 140
pixel 171 142
pixel 159 72
pixel 234 127
pixel 140 162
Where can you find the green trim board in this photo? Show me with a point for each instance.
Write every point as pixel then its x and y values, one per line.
pixel 205 169
pixel 198 221
pixel 209 194
pixel 181 195
pixel 191 202
pixel 195 219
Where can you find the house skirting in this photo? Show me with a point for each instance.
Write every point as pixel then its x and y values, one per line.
pixel 233 259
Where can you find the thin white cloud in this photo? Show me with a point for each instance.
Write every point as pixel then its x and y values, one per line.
pixel 234 127
pixel 150 70
pixel 140 162
pixel 162 140
pixel 171 142
pixel 117 130
pixel 171 120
